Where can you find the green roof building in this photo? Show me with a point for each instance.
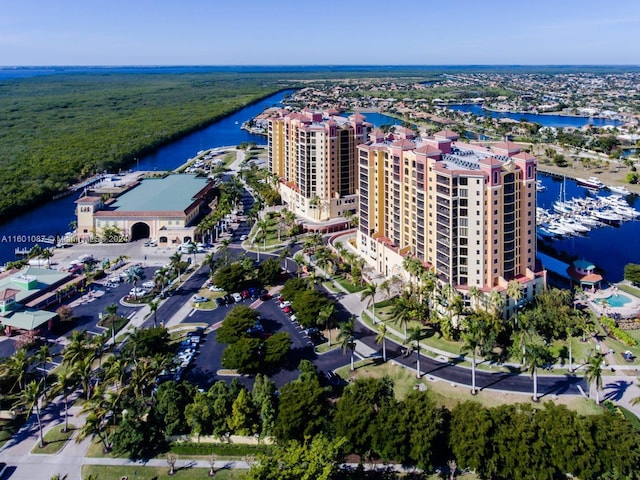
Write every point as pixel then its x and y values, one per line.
pixel 164 209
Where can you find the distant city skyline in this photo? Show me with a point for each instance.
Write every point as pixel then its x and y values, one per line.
pixel 290 32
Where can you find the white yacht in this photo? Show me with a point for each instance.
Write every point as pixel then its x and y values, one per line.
pixel 619 189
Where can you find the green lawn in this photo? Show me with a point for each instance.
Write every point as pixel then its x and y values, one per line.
pixel 449 395
pixel 54 440
pixel 149 473
pixel 629 289
pixel 349 287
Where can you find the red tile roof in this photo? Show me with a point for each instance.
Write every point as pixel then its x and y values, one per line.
pixel 8 293
pixel 507 146
pixel 447 134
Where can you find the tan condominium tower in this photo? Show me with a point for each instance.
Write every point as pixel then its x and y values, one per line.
pixel 465 211
pixel 314 155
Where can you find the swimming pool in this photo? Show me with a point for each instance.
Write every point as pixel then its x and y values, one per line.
pixel 618 300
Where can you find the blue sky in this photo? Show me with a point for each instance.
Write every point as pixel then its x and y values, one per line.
pixel 312 32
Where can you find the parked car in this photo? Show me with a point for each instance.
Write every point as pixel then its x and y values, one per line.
pixel 199 299
pixel 215 288
pixel 285 304
pixel 228 298
pixel 244 294
pixel 311 331
pixel 287 310
pixel 236 297
pixel 136 292
pixel 265 297
pixel 220 301
pixel 243 238
pixel 253 292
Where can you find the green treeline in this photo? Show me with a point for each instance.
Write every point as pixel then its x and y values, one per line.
pixel 56 130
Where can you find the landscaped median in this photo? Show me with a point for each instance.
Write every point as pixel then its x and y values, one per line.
pixel 54 440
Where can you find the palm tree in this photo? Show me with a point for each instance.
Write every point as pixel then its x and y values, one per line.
pixel 83 368
pixel 380 339
pixel 534 357
pixel 515 292
pixel 471 338
pixel 284 254
pixel 43 356
pixel 112 315
pixel 593 372
pixel 94 425
pixel 300 262
pixel 415 335
pixel 369 293
pixel 65 379
pixel 475 294
pixel 224 250
pixel 17 366
pixel 413 266
pixel 153 307
pixel 30 399
pixel 46 255
pixel 77 347
pixel 325 314
pixel 496 300
pixel 346 338
pixel 403 310
pixel 115 370
pixel 133 275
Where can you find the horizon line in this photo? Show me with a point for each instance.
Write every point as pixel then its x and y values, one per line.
pixel 327 65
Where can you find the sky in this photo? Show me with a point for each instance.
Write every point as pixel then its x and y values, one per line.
pixel 320 32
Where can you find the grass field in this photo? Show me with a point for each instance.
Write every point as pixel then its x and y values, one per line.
pixel 54 440
pixel 449 395
pixel 148 473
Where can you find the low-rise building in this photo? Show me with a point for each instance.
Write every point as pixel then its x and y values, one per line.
pixel 165 209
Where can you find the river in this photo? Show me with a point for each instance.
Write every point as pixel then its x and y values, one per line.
pixel 609 248
pixel 546 120
pixel 53 218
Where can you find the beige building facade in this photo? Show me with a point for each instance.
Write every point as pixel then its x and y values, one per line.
pixel 314 156
pixel 162 209
pixel 466 211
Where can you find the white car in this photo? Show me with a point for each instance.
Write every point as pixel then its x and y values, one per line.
pixel 285 304
pixel 136 292
pixel 243 238
pixel 236 297
pixel 214 288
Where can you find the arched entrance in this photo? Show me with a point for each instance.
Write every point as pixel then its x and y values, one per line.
pixel 139 230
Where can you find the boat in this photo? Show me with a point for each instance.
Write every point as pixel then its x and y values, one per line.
pixel 591 182
pixel 619 189
pixel 539 186
pixel 574 225
pixel 607 215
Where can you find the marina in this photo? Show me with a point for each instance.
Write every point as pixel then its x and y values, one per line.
pixel 578 222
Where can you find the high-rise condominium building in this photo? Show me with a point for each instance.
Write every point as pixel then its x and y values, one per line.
pixel 466 211
pixel 314 156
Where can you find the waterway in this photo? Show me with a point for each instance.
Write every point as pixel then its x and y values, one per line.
pixel 546 120
pixel 53 218
pixel 609 248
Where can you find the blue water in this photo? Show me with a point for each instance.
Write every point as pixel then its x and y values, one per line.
pixel 544 120
pixel 618 300
pixel 53 218
pixel 609 248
